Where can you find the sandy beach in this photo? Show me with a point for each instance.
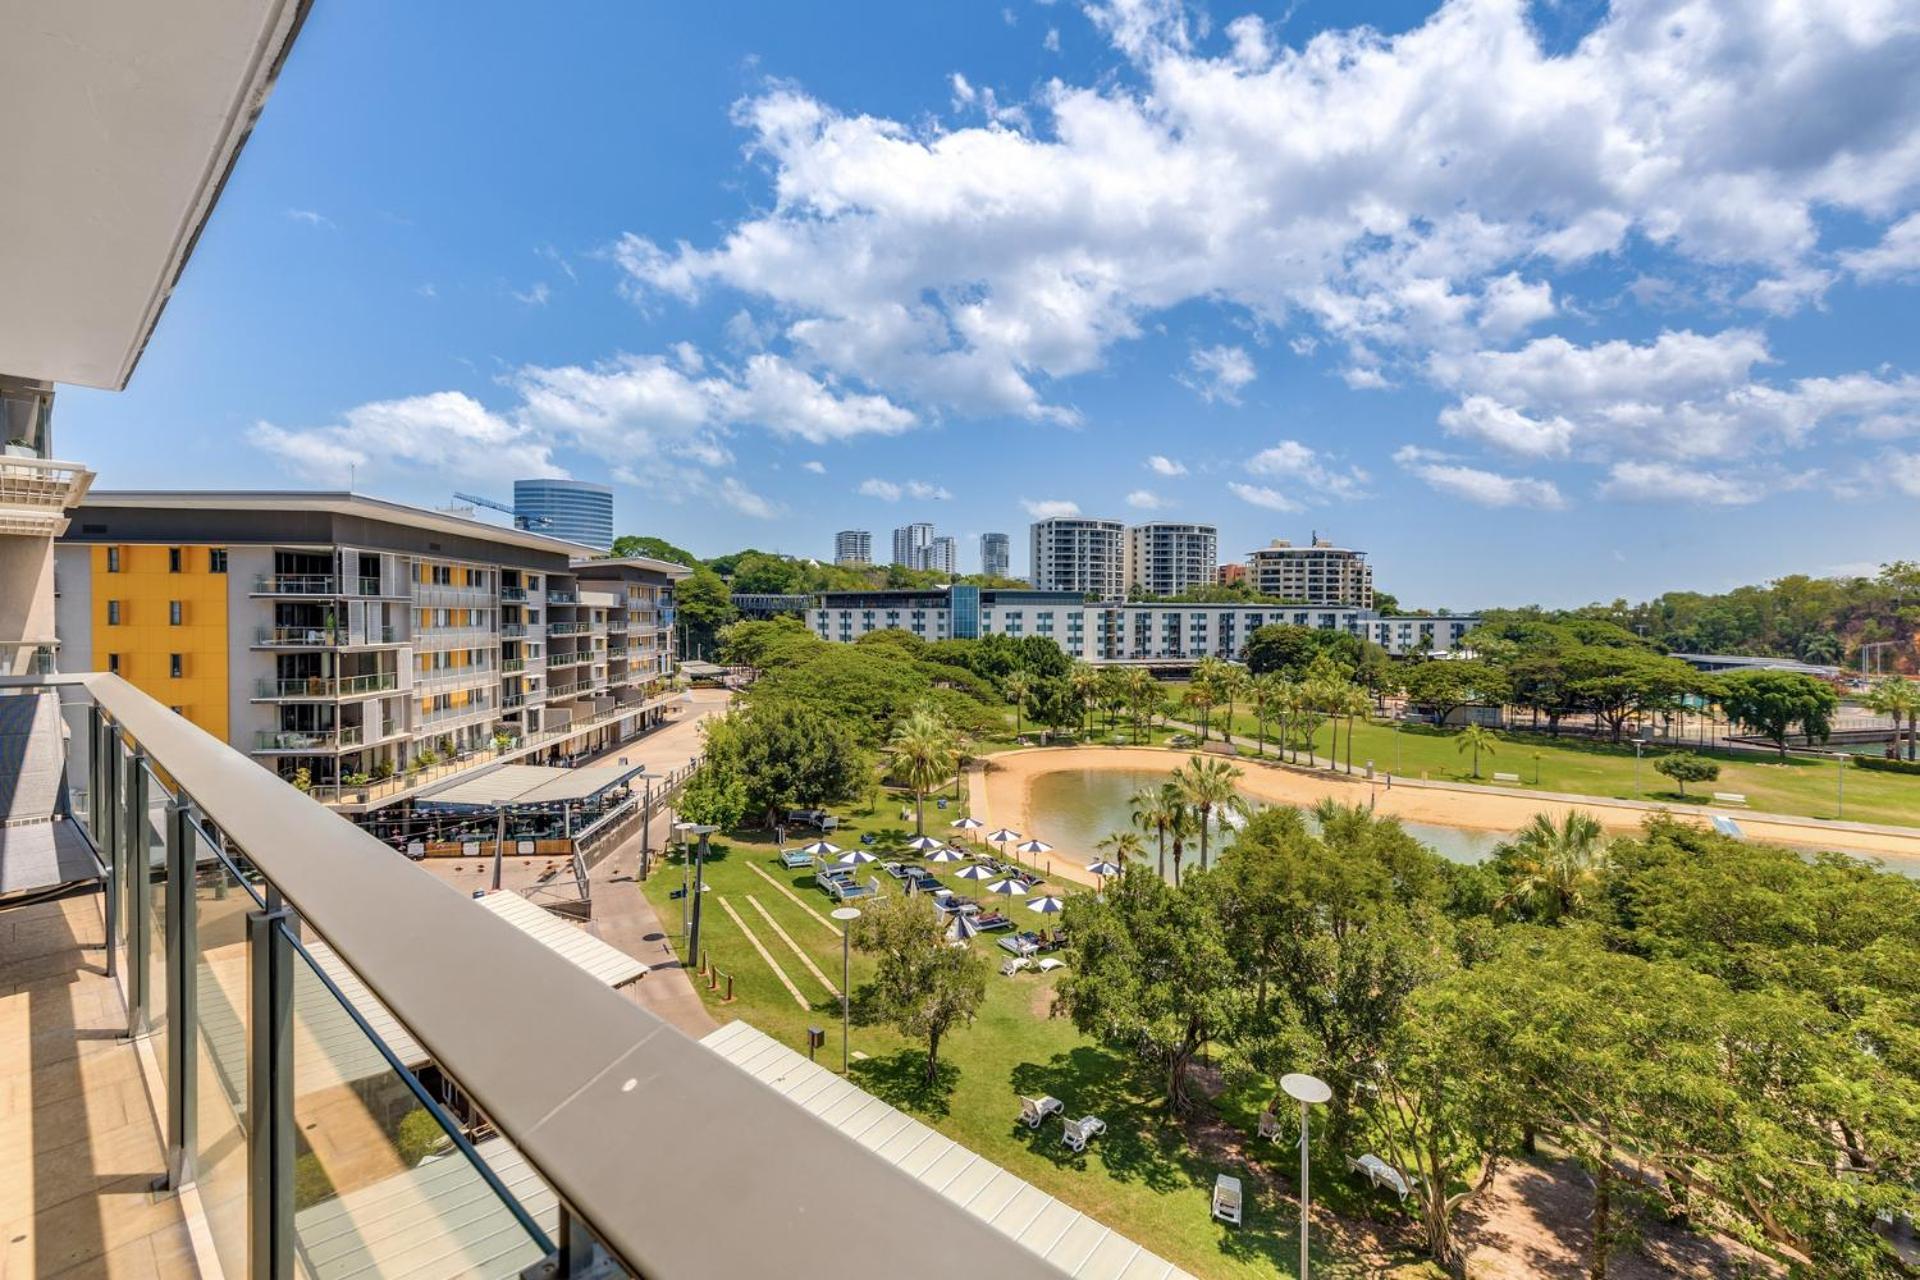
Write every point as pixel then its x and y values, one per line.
pixel 1002 796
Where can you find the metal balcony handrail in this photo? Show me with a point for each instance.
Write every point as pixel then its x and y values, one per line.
pixel 296 584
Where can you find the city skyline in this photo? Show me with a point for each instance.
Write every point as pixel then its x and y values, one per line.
pixel 1676 360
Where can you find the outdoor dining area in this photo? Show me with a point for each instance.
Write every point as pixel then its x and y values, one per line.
pixel 916 866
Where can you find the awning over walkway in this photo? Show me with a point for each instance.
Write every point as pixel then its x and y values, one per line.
pixel 529 784
pixel 1055 1231
pixel 609 964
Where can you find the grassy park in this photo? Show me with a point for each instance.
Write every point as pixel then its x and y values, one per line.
pixel 1797 785
pixel 1148 1176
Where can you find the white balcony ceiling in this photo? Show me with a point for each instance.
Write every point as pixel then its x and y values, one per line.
pixel 122 123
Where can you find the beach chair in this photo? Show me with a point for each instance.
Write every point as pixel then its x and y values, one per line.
pixel 1076 1132
pixel 795 860
pixel 1382 1174
pixel 1034 1111
pixel 1050 964
pixel 988 920
pixel 1014 965
pixel 1226 1199
pixel 1269 1126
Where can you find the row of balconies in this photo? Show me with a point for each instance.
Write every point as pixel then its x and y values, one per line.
pixel 325 688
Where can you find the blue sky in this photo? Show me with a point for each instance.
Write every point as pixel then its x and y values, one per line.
pixel 1548 302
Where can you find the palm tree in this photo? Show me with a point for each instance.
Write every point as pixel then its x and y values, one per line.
pixel 1231 682
pixel 1122 847
pixel 1202 695
pixel 1084 680
pixel 1207 787
pixel 1897 696
pixel 1143 693
pixel 1480 738
pixel 1152 813
pixel 1179 825
pixel 925 750
pixel 1263 695
pixel 1355 701
pixel 1555 862
pixel 1018 687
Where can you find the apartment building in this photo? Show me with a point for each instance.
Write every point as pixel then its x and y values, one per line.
pixel 351 643
pixel 911 545
pixel 1080 554
pixel 1166 557
pixel 943 555
pixel 1317 574
pixel 853 547
pixel 996 555
pixel 1111 631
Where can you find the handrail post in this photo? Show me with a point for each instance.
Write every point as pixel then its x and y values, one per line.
pixel 183 950
pixel 270 1124
pixel 137 872
pixel 106 779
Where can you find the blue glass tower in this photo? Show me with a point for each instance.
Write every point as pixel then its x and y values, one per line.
pixel 572 509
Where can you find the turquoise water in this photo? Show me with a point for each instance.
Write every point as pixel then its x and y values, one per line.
pixel 1074 809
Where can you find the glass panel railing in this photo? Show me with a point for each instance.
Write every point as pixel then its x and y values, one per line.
pixel 153 833
pixel 383 1183
pixel 222 1014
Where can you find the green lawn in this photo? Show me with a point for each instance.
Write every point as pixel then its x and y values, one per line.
pixel 1796 785
pixel 1140 1177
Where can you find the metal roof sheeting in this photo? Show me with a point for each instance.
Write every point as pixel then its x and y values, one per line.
pixel 1052 1229
pixel 514 784
pixel 609 964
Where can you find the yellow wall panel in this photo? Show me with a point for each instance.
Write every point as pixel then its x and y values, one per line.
pixel 145 637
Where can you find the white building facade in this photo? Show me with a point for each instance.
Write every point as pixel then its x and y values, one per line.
pixel 1167 557
pixel 853 547
pixel 1112 631
pixel 912 544
pixel 1080 554
pixel 1317 574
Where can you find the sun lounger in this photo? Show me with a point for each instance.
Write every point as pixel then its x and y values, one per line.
pixel 894 869
pixel 1013 966
pixel 1226 1199
pixel 991 920
pixel 1382 1174
pixel 1020 944
pixel 1270 1126
pixel 1050 964
pixel 1034 1111
pixel 1076 1132
pixel 794 860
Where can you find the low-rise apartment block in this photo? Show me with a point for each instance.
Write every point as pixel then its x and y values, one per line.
pixel 1112 631
pixel 353 645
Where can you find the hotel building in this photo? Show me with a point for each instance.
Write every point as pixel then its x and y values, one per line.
pixel 1082 555
pixel 853 547
pixel 1111 631
pixel 575 510
pixel 1317 574
pixel 352 643
pixel 996 555
pixel 1165 557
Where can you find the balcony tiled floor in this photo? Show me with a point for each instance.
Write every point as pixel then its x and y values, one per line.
pixel 79 1142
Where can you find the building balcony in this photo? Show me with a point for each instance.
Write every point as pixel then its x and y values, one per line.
pixel 509 666
pixel 322 637
pixel 36 493
pixel 309 742
pixel 324 688
pixel 513 594
pixel 513 630
pixel 563 597
pixel 558 661
pixel 568 628
pixel 256 995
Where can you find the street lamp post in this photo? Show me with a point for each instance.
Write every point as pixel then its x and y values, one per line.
pixel 1637 745
pixel 1840 781
pixel 699 882
pixel 1396 745
pixel 1308 1091
pixel 846 916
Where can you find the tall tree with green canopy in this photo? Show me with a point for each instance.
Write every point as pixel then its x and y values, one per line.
pixel 788 756
pixel 925 753
pixel 1147 974
pixel 1684 767
pixel 921 986
pixel 1018 686
pixel 1153 811
pixel 1210 790
pixel 1898 698
pixel 1084 679
pixel 630 544
pixel 703 605
pixel 1446 684
pixel 1774 703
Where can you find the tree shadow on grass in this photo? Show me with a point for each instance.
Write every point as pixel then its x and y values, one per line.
pixel 901 1081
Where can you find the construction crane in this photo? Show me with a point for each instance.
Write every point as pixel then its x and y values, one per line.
pixel 519 521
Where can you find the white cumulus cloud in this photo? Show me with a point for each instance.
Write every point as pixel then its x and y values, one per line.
pixel 1161 465
pixel 1481 487
pixel 1049 508
pixel 1219 373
